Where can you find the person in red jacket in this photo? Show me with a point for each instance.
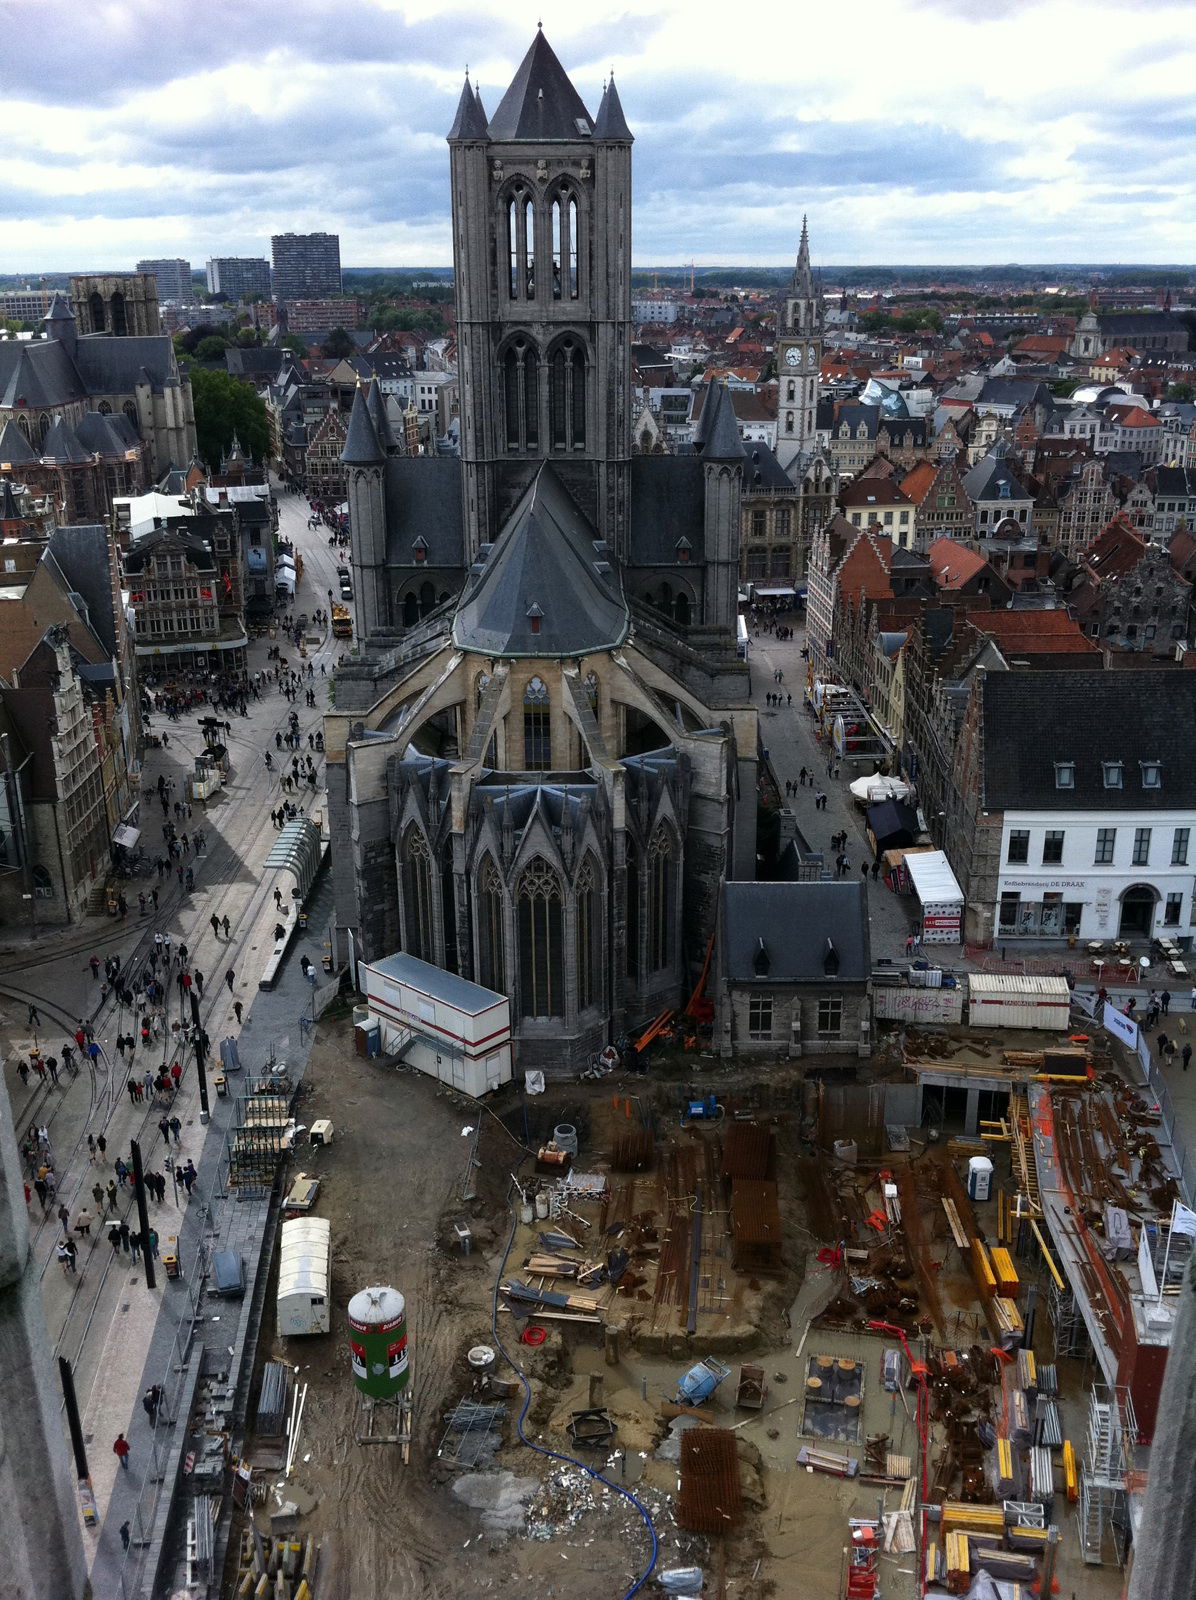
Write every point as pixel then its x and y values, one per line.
pixel 121 1450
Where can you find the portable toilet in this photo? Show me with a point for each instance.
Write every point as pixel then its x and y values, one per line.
pixel 980 1178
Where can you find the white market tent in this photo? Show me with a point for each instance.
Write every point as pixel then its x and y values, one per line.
pixel 305 1276
pixel 878 787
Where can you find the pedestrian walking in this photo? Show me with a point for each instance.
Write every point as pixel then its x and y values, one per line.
pixel 43 1193
pixel 64 1216
pixel 135 1247
pixel 153 1233
pixel 35 1020
pixel 176 1128
pixel 94 964
pixel 224 923
pixel 124 1535
pixel 110 1191
pixel 124 1236
pixel 83 1223
pixel 102 1146
pixel 114 1238
pixel 151 1400
pixel 237 1011
pixel 189 1175
pixel 1165 1001
pixel 66 1255
pixel 164 1129
pixel 1185 1055
pixel 199 982
pixel 121 1450
pixel 97 1193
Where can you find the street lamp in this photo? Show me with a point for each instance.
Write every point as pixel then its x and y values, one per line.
pixel 32 899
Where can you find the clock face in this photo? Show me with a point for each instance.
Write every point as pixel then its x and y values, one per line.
pixel 793 356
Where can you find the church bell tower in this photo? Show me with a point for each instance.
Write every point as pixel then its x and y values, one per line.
pixel 799 359
pixel 541 197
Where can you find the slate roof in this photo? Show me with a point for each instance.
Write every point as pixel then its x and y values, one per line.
pixel 1088 718
pixel 265 362
pixel 795 921
pixel 668 499
pixel 376 401
pixel 470 121
pixel 362 448
pixel 992 478
pixel 423 500
pixel 116 366
pixel 1138 322
pixel 717 436
pixel 108 434
pixel 15 449
pixel 83 558
pixel 38 373
pixel 62 444
pixel 762 470
pixel 610 122
pixel 541 104
pixel 545 566
pixel 1014 392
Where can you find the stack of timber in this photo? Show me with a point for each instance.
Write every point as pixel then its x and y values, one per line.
pixel 283 1569
pixel 525 1301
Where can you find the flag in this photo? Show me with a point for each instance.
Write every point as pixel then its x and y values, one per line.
pixel 1183 1220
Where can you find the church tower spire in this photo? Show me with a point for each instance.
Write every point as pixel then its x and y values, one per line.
pixel 799 359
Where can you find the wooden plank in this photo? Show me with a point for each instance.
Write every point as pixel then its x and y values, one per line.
pixel 1060 1284
pixel 953 1222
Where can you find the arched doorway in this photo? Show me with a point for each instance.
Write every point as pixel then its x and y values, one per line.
pixel 1137 911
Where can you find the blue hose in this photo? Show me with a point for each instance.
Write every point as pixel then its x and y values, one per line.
pixel 557 1455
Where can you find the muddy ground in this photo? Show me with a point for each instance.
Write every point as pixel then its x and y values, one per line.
pixel 392 1187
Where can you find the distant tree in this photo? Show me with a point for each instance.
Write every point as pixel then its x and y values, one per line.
pixel 219 298
pixel 225 405
pixel 296 344
pixel 1179 392
pixel 337 344
pixel 188 342
pixel 248 339
pixel 212 348
pixel 1064 387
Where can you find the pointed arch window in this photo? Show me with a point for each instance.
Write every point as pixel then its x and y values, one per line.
pixel 521 395
pixel 480 687
pixel 564 247
pixel 95 305
pixel 537 727
pixel 416 879
pixel 448 903
pixel 568 395
pixel 591 687
pixel 633 910
pixel 130 410
pixel 541 965
pixel 587 903
pixel 521 240
pixel 660 900
pixel 492 964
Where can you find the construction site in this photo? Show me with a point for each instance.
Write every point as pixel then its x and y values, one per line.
pixel 727 1331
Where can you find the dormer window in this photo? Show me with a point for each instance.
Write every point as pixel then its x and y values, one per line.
pixel 684 550
pixel 830 960
pixel 1114 772
pixel 534 616
pixel 1065 774
pixel 761 960
pixel 1152 774
pixel 420 550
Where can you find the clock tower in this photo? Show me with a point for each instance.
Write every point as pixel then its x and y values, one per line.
pixel 799 359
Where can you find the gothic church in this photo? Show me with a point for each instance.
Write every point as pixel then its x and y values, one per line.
pixel 537 774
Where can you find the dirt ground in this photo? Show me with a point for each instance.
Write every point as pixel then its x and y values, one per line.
pixel 391 1185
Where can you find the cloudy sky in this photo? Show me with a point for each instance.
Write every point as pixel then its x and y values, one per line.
pixel 910 130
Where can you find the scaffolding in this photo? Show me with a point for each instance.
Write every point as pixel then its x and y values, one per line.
pixel 1071 1336
pixel 257 1144
pixel 1108 1460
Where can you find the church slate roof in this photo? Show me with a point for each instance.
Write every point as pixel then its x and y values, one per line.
pixel 38 373
pixel 423 500
pixel 717 436
pixel 1088 718
pixel 610 122
pixel 106 435
pixel 15 449
pixel 82 554
pixel 376 402
pixel 541 104
pixel 470 121
pixel 668 499
pixel 117 366
pixel 762 470
pixel 62 444
pixel 545 589
pixel 361 442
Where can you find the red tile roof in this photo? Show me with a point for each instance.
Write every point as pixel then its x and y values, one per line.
pixel 953 564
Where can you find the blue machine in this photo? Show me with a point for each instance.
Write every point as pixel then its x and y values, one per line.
pixel 700 1382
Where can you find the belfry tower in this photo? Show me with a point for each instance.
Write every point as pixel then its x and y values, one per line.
pixel 799 359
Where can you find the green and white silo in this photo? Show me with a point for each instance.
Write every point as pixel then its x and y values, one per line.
pixel 378 1342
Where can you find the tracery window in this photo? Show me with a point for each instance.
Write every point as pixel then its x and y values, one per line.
pixel 660 900
pixel 492 964
pixel 587 902
pixel 521 395
pixel 564 247
pixel 541 965
pixel 416 876
pixel 537 727
pixel 521 236
pixel 567 394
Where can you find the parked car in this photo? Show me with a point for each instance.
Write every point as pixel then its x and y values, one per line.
pixel 346 589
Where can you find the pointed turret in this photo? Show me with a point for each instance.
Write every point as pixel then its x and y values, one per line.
pixel 470 121
pixel 541 102
pixel 610 122
pixel 718 432
pixel 59 323
pixel 361 442
pixel 376 401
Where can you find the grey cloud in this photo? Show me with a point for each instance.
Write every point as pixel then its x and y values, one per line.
pixel 76 56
